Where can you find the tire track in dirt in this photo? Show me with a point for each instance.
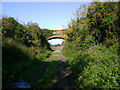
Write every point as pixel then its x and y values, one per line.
pixel 62 71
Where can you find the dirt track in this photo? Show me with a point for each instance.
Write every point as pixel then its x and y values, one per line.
pixel 62 70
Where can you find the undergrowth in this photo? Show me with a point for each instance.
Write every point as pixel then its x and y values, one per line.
pixel 45 80
pixel 19 61
pixel 96 66
pixel 92 45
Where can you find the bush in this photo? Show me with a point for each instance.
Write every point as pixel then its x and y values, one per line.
pixel 24 49
pixel 17 60
pixel 102 69
pixel 96 67
pixel 92 46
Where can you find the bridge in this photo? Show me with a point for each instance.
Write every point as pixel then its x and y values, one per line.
pixel 58 34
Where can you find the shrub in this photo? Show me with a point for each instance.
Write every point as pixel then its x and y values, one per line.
pixel 22 51
pixel 96 67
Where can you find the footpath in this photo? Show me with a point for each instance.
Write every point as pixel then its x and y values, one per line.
pixel 62 71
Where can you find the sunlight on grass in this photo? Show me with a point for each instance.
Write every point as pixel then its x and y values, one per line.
pixel 48 75
pixel 56 53
pixel 55 57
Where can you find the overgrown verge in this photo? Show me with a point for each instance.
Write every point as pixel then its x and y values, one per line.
pixel 46 80
pixel 94 67
pixel 24 49
pixel 92 46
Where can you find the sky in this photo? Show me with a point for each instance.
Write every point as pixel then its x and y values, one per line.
pixel 50 15
pixel 56 41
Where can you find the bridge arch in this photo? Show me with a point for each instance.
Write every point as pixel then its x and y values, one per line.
pixel 56 36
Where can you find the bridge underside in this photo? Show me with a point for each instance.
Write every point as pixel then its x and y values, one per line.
pixel 56 36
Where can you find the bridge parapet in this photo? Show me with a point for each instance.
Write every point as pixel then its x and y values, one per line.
pixel 58 34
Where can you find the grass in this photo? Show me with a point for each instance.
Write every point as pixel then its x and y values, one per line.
pixel 57 45
pixel 32 67
pixel 56 53
pixel 55 57
pixel 44 81
pixel 17 70
pixel 19 63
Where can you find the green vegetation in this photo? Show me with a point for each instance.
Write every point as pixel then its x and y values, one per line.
pixel 57 45
pixel 45 80
pixel 92 46
pixel 55 58
pixel 47 33
pixel 56 53
pixel 24 49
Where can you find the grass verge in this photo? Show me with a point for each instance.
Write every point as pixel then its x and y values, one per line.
pixel 44 81
pixel 55 58
pixel 56 53
pixel 19 62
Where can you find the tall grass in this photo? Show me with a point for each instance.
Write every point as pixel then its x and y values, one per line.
pixel 19 61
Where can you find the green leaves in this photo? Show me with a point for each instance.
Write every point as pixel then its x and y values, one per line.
pixel 47 33
pixel 103 17
pixel 92 64
pixel 96 67
pixel 23 47
pixel 9 27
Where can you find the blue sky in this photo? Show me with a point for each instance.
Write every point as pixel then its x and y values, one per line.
pixel 50 15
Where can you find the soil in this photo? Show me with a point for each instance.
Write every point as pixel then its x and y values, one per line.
pixel 62 73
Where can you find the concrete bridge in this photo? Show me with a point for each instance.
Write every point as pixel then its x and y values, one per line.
pixel 57 34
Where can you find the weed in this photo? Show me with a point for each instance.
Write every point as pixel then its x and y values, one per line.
pixel 56 53
pixel 46 78
pixel 55 58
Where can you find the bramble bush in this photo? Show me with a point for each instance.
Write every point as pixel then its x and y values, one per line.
pixel 96 68
pixel 92 46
